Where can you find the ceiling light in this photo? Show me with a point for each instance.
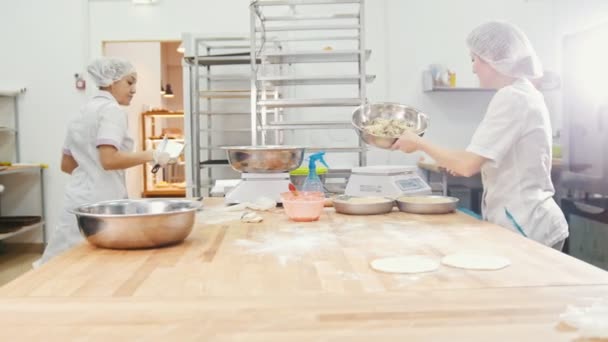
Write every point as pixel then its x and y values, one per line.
pixel 168 91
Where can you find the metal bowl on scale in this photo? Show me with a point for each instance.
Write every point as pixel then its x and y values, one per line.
pixel 364 115
pixel 264 159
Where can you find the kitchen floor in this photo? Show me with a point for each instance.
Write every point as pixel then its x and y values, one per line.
pixel 16 260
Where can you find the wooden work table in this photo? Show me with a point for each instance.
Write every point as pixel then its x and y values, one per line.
pixel 285 281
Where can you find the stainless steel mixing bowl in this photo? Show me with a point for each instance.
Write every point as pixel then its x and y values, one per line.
pixel 366 113
pixel 344 204
pixel 136 223
pixel 427 204
pixel 264 159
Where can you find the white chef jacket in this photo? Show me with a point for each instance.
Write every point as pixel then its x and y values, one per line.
pixel 102 122
pixel 515 136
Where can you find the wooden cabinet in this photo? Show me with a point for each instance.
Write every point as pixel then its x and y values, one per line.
pixel 169 181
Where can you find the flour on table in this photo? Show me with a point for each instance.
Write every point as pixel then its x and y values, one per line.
pixel 289 244
pixel 591 321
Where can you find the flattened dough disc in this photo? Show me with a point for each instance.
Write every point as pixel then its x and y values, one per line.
pixel 472 261
pixel 405 264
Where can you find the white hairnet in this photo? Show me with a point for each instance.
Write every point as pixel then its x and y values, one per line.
pixel 506 48
pixel 108 70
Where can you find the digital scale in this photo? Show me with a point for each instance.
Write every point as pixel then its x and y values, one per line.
pixel 255 185
pixel 386 181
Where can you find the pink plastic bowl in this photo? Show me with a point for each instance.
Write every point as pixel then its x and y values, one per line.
pixel 304 207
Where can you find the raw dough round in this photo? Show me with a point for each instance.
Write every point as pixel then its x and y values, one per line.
pixel 470 261
pixel 405 264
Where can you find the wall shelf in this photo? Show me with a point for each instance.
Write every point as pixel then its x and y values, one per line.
pixel 16 225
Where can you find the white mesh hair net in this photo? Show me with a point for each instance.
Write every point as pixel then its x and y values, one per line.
pixel 506 48
pixel 108 70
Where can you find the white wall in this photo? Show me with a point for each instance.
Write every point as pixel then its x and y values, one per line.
pixel 145 56
pixel 49 41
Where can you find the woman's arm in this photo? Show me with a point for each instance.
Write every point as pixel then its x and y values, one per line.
pixel 68 164
pixel 459 162
pixel 113 159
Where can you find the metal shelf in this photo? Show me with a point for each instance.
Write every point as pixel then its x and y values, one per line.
pixel 228 77
pixel 219 88
pixel 228 47
pixel 330 56
pixel 308 28
pixel 295 103
pixel 225 94
pixel 328 26
pixel 459 89
pixel 8 130
pixel 211 148
pixel 285 125
pixel 22 230
pixel 312 17
pixel 173 139
pixel 19 169
pixel 314 38
pixel 226 130
pixel 223 113
pixel 221 60
pixel 214 163
pixel 313 80
pixel 302 2
pixel 337 149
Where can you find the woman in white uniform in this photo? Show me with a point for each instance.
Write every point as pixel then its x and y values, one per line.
pixel 98 149
pixel 512 145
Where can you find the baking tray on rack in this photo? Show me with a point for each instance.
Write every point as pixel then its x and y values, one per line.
pixel 9 224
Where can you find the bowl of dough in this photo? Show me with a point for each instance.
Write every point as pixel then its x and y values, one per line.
pixel 381 124
pixel 369 205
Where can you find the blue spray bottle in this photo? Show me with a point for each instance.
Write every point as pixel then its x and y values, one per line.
pixel 313 182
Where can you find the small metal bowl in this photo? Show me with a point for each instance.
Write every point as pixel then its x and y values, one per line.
pixel 387 110
pixel 344 204
pixel 427 204
pixel 137 223
pixel 264 159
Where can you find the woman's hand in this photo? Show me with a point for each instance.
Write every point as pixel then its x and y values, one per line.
pixel 449 171
pixel 161 158
pixel 408 142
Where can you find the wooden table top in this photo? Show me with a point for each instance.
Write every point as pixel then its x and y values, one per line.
pixel 281 280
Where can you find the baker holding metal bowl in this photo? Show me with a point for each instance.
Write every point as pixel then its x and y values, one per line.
pixel 512 145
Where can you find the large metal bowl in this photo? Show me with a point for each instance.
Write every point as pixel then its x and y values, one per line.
pixel 137 223
pixel 427 204
pixel 264 159
pixel 387 110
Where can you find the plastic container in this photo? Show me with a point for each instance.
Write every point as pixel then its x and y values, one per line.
pixel 303 207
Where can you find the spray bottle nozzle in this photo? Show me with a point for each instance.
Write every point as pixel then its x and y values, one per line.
pixel 312 160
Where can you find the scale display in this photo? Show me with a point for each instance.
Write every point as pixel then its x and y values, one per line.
pixel 410 184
